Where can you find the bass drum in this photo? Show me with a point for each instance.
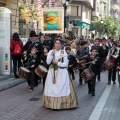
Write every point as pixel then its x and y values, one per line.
pixel 41 71
pixel 108 64
pixel 23 72
pixel 87 74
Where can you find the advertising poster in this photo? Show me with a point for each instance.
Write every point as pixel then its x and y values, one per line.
pixel 53 20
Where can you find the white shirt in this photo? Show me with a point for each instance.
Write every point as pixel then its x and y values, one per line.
pixel 70 27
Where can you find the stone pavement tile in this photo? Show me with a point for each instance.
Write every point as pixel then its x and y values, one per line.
pixel 111 110
pixel 16 104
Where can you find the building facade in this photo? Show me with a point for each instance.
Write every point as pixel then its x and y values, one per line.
pixel 81 11
pixel 12 6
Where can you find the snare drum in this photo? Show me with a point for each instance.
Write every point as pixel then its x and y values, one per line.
pixel 81 64
pixel 87 74
pixel 23 72
pixel 41 70
pixel 108 64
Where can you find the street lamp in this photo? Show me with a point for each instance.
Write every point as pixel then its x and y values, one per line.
pixel 102 31
pixel 65 4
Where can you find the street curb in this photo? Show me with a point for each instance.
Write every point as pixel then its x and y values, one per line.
pixel 10 83
pixel 5 78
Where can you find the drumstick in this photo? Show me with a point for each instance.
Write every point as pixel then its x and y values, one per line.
pixel 83 57
pixel 87 63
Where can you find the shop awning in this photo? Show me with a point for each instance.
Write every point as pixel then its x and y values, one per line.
pixel 82 24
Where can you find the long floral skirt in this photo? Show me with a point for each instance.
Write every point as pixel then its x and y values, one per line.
pixel 65 102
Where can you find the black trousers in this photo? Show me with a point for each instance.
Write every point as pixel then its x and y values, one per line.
pixel 80 76
pixel 112 74
pixel 91 85
pixel 99 70
pixel 44 79
pixel 71 72
pixel 70 34
pixel 31 78
pixel 16 63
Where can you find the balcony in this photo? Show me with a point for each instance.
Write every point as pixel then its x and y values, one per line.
pixel 103 1
pixel 88 2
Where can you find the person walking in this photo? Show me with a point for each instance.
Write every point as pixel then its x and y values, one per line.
pixel 59 92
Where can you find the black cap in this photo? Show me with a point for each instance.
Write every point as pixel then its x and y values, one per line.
pixel 33 34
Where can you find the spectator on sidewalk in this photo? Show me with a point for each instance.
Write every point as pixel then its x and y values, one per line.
pixel 70 28
pixel 16 52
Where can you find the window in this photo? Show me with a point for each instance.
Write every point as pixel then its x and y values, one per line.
pixel 74 10
pixel 88 13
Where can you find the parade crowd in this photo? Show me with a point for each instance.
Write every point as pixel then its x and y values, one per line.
pixel 53 58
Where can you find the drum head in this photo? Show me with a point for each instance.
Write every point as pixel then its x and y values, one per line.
pixel 43 68
pixel 25 69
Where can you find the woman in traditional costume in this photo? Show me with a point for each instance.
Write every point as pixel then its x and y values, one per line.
pixel 59 92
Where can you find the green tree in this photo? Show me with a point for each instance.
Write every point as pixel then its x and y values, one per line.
pixel 109 26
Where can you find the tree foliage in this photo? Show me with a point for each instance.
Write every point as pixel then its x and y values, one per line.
pixel 110 26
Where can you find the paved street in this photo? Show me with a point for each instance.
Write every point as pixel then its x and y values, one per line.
pixel 18 103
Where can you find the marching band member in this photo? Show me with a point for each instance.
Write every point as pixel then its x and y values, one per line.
pixel 59 92
pixel 112 55
pixel 109 42
pixel 82 52
pixel 99 54
pixel 31 64
pixel 93 66
pixel 72 62
pixel 105 52
pixel 73 48
pixel 43 61
pixel 117 62
pixel 33 42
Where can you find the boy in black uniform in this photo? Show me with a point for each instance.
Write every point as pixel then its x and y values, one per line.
pixel 43 59
pixel 32 63
pixel 72 62
pixel 99 54
pixel 82 53
pixel 95 64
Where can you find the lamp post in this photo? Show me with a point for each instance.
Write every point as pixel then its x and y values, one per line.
pixel 65 4
pixel 102 31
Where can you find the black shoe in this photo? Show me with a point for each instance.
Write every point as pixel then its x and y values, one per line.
pixel 80 83
pixel 93 94
pixel 114 82
pixel 89 92
pixel 109 83
pixel 31 89
pixel 98 79
pixel 16 76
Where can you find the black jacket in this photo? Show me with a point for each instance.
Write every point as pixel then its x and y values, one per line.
pixel 43 58
pixel 105 52
pixel 99 50
pixel 50 43
pixel 32 60
pixel 117 61
pixel 72 60
pixel 29 45
pixel 93 67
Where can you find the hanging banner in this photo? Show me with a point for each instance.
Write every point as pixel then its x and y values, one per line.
pixel 53 20
pixel 40 6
